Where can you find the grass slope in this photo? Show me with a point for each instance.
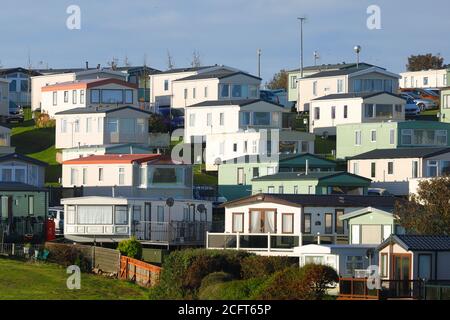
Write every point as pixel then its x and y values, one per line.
pixel 38 144
pixel 45 281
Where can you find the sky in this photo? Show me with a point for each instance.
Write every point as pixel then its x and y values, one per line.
pixel 227 32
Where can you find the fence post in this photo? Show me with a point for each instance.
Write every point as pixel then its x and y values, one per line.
pixel 238 241
pixel 12 249
pixel 268 242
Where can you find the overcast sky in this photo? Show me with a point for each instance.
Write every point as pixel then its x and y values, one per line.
pixel 224 32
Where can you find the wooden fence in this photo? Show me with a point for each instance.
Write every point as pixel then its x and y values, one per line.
pixel 140 272
pixel 102 259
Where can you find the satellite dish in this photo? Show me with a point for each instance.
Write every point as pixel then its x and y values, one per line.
pixel 201 208
pixel 357 49
pixel 170 202
pixel 218 161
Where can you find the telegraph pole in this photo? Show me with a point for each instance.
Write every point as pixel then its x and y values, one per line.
pixel 302 20
pixel 258 52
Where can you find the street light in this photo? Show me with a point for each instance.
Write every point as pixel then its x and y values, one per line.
pixel 302 20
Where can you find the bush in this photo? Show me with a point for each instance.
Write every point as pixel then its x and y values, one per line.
pixel 263 266
pixel 130 248
pixel 215 278
pixel 156 123
pixel 307 283
pixel 318 279
pixel 67 255
pixel 184 270
pixel 231 290
pixel 44 121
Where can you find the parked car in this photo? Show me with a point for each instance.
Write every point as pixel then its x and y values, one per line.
pixel 176 118
pixel 423 104
pixel 269 96
pixel 411 108
pixel 424 94
pixel 378 192
pixel 57 215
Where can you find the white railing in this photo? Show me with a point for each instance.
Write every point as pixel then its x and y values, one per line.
pixel 175 232
pixel 253 241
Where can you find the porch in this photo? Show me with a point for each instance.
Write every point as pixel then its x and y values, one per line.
pixel 268 242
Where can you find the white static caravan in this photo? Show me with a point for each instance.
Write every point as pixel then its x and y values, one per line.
pixel 347 260
pixel 153 221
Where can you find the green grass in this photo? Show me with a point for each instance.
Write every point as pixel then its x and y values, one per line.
pixel 38 144
pixel 38 281
pixel 203 178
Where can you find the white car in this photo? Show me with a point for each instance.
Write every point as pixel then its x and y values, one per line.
pixel 57 215
pixel 411 108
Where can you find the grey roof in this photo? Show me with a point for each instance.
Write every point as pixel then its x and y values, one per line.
pixel 217 74
pixel 242 102
pixel 31 72
pixel 363 95
pixel 299 200
pixel 188 69
pixel 420 242
pixel 91 110
pixel 256 158
pixel 295 176
pixel 17 186
pixel 400 153
pixel 18 156
pixel 336 66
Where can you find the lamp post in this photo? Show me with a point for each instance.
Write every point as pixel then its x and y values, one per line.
pixel 302 20
pixel 258 53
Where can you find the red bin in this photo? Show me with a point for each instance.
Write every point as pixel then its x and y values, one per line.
pixel 50 230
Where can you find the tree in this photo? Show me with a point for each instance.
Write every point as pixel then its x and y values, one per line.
pixel 196 62
pixel 427 212
pixel 425 62
pixel 279 81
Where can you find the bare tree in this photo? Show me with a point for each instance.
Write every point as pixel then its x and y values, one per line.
pixel 170 62
pixel 196 62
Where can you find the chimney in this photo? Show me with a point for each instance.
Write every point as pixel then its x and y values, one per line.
pixel 87 65
pixel 98 66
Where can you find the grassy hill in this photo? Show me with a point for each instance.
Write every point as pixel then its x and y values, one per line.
pixel 38 144
pixel 38 281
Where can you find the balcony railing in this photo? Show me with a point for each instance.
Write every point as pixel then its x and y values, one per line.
pixel 175 232
pixel 254 241
pixel 357 289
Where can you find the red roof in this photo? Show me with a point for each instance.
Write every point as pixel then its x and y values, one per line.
pixel 87 84
pixel 114 158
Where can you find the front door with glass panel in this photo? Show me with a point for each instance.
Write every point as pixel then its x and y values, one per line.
pixel 402 273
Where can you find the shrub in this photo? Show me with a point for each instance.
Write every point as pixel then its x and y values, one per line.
pixel 131 248
pixel 263 266
pixel 283 285
pixel 318 278
pixel 44 121
pixel 156 123
pixel 231 290
pixel 216 277
pixel 67 255
pixel 184 270
pixel 307 283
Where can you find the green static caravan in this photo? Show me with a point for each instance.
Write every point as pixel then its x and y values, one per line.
pixel 23 212
pixel 235 175
pixel 355 139
pixel 318 183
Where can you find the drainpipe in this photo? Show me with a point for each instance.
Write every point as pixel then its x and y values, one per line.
pixel 306 167
pixel 318 238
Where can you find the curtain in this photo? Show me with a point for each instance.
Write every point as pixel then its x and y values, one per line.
pixel 95 214
pixel 269 225
pixel 255 225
